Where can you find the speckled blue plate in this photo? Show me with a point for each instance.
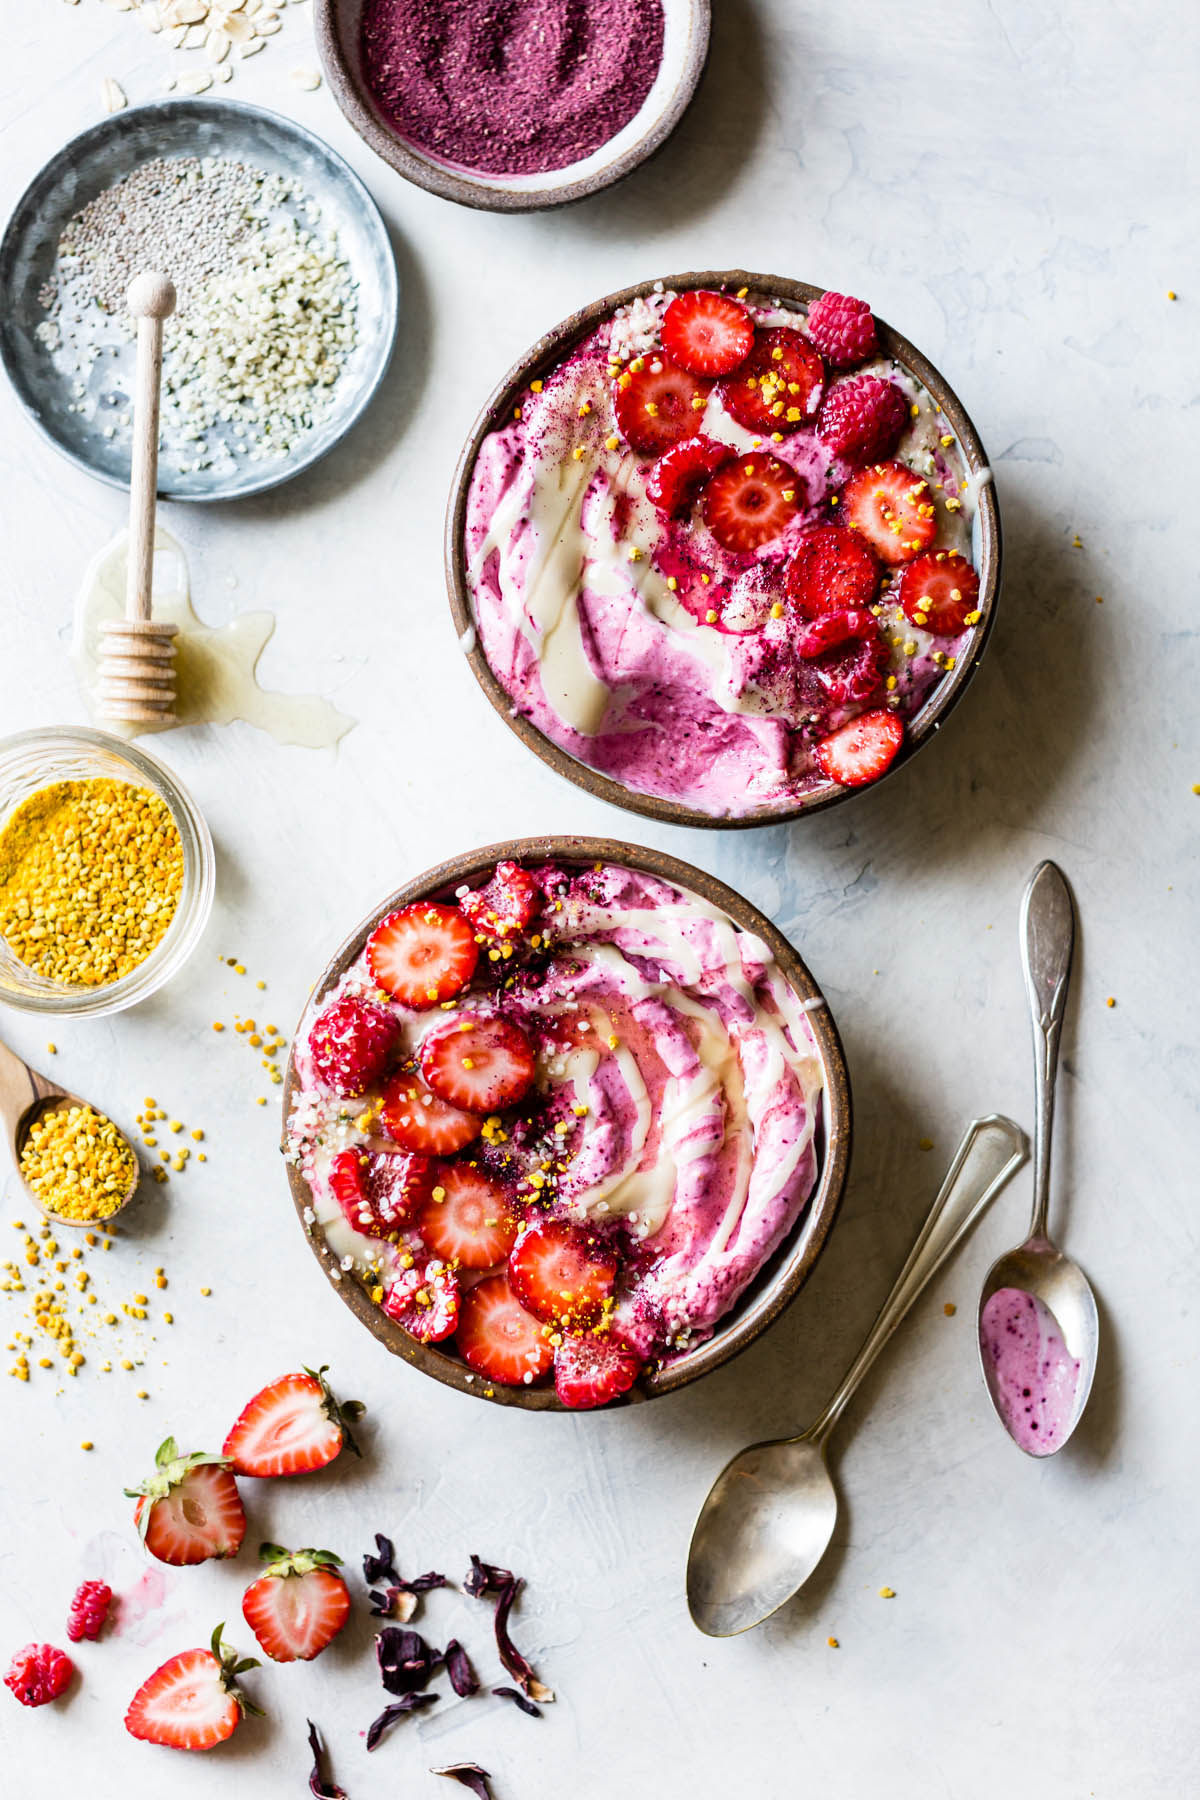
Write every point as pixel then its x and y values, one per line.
pixel 95 160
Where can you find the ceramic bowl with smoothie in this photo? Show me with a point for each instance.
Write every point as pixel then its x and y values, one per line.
pixel 566 1122
pixel 722 548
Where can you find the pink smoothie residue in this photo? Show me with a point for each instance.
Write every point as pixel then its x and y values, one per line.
pixel 511 87
pixel 1033 1378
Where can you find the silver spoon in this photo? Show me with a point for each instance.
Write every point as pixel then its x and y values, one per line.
pixel 1039 1332
pixel 770 1515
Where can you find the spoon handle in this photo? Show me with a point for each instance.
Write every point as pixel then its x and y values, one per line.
pixel 992 1149
pixel 1047 943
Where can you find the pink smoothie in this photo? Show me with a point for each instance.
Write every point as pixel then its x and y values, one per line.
pixel 1033 1378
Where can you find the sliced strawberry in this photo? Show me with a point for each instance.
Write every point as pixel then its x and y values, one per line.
pixel 833 629
pixel 779 386
pixel 192 1702
pixel 423 954
pixel 676 479
pixel 292 1426
pixel 425 1301
pixel 707 333
pixel 499 1338
pixel 938 591
pixel 750 500
pixel 893 509
pixel 299 1605
pixel 351 1043
pixel 413 1115
pixel 469 1219
pixel 505 905
pixel 861 751
pixel 379 1191
pixel 478 1064
pixel 830 570
pixel 189 1510
pixel 593 1369
pixel 657 403
pixel 848 654
pixel 562 1273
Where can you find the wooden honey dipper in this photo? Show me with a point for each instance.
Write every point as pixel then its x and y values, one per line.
pixel 137 653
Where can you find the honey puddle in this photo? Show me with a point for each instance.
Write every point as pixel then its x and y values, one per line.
pixel 214 664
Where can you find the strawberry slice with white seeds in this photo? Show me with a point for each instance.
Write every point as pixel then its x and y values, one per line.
pixel 707 333
pixel 192 1702
pixel 425 1301
pixel 831 569
pixel 861 751
pixel 563 1273
pixel 676 479
pixel 749 501
pixel 505 905
pixel 413 1116
pixel 939 592
pixel 657 403
pixel 423 954
pixel 499 1338
pixel 379 1190
pixel 292 1426
pixel 478 1064
pixel 468 1218
pixel 779 386
pixel 189 1510
pixel 298 1607
pixel 893 508
pixel 592 1369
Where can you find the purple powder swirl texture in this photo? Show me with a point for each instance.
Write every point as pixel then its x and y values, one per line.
pixel 510 87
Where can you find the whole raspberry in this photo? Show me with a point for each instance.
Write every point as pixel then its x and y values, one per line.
pixel 351 1043
pixel 843 329
pixel 88 1611
pixel 39 1673
pixel 861 419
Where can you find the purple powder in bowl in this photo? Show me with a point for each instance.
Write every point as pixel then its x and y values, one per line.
pixel 510 87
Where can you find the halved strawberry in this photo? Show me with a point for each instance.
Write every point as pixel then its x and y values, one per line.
pixel 299 1605
pixel 848 654
pixel 189 1510
pixel 468 1219
pixel 830 570
pixel 478 1064
pixel 657 403
pixel 562 1273
pixel 749 501
pixel 292 1426
pixel 938 591
pixel 379 1190
pixel 676 479
pixel 192 1702
pixel 861 751
pixel 413 1116
pixel 423 954
pixel 351 1043
pixel 592 1369
pixel 707 333
pixel 892 507
pixel 499 1338
pixel 507 903
pixel 779 386
pixel 425 1301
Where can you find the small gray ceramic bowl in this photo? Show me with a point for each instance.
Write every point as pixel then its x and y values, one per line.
pixel 685 46
pixel 105 154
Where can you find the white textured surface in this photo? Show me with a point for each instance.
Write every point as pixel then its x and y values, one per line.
pixel 1007 184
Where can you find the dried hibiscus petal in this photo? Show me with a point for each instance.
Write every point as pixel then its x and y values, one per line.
pixel 411 1703
pixel 518 1699
pixel 398 1600
pixel 381 1566
pixel 406 1661
pixel 321 1785
pixel 518 1666
pixel 471 1776
pixel 486 1578
pixel 463 1678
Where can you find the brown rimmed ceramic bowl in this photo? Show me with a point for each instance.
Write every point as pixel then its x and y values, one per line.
pixel 545 356
pixel 776 1285
pixel 338 26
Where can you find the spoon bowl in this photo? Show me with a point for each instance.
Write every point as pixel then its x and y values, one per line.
pixel 27 1096
pixel 1060 1286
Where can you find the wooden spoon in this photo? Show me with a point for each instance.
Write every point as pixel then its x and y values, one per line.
pixel 24 1097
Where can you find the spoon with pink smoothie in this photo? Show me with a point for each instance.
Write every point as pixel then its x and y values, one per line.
pixel 1038 1327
